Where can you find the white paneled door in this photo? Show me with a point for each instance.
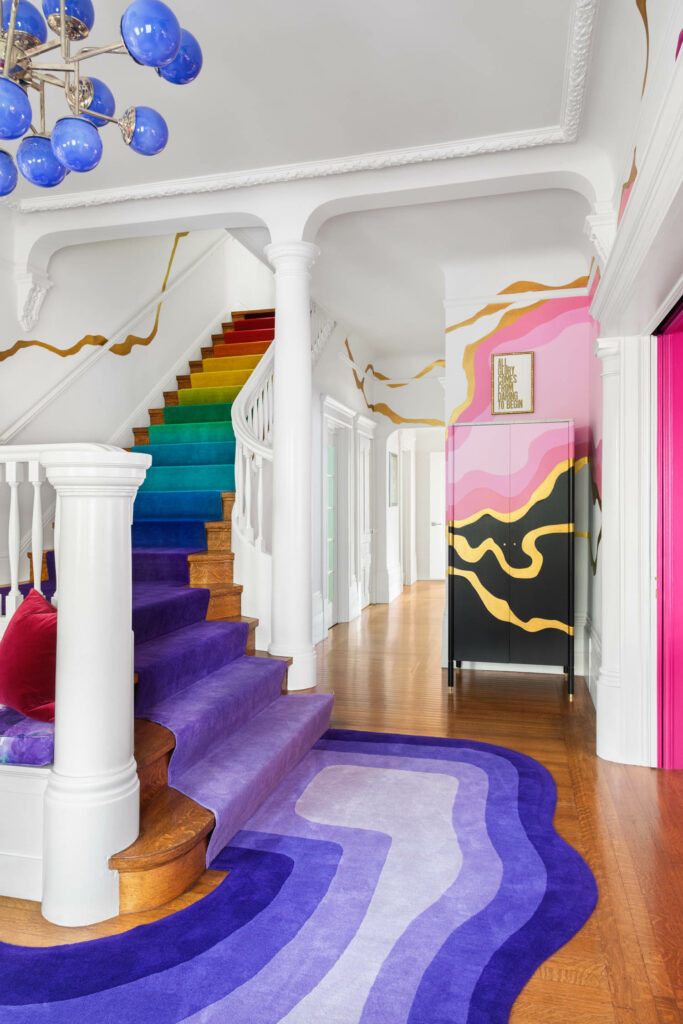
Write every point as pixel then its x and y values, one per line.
pixel 364 515
pixel 437 513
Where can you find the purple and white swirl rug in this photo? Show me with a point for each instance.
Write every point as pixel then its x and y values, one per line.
pixel 388 879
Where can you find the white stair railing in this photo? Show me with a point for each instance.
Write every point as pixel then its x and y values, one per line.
pixel 252 419
pixel 92 790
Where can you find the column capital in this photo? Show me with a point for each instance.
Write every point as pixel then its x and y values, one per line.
pixel 292 256
pixel 609 351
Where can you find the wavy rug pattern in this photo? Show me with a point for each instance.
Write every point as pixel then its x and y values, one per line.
pixel 388 879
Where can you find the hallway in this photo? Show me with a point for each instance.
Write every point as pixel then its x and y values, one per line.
pixel 626 965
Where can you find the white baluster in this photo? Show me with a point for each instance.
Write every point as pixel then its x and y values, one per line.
pixel 57 531
pixel 259 432
pixel 249 530
pixel 14 476
pixel 36 475
pixel 258 463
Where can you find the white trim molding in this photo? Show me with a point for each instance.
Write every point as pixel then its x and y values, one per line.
pixel 626 684
pixel 577 63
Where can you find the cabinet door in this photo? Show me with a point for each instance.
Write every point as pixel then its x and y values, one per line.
pixel 541 529
pixel 479 541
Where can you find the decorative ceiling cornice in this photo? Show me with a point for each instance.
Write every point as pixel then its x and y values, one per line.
pixel 576 75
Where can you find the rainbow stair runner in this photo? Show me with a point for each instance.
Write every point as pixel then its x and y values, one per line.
pixel 214 735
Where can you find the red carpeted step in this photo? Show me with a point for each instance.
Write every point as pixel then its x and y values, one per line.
pixel 257 323
pixel 259 334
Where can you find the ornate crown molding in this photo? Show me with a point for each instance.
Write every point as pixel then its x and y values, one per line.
pixel 576 74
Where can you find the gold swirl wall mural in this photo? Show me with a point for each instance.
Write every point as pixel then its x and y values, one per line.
pixel 642 10
pixel 404 383
pixel 500 609
pixel 534 286
pixel 98 340
pixel 596 500
pixel 528 545
pixel 381 407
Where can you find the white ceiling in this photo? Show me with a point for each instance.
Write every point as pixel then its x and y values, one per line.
pixel 305 80
pixel 382 272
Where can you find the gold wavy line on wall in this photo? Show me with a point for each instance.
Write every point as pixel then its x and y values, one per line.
pixel 542 491
pixel 470 554
pixel 500 609
pixel 404 384
pixel 534 286
pixel 642 10
pixel 493 307
pixel 381 407
pixel 507 319
pixel 98 340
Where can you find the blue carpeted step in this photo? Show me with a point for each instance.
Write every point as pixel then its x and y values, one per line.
pixel 205 453
pixel 157 565
pixel 189 478
pixel 160 608
pixel 205 413
pixel 217 705
pixel 170 533
pixel 204 505
pixel 173 662
pixel 191 433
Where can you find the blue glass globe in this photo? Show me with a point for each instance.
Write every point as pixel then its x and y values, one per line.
pixel 151 32
pixel 37 162
pixel 76 144
pixel 30 28
pixel 103 102
pixel 187 63
pixel 150 134
pixel 8 174
pixel 80 16
pixel 15 110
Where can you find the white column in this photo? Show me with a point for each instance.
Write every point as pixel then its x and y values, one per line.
pixel 92 798
pixel 292 633
pixel 627 683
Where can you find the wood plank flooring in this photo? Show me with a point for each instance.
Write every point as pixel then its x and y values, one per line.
pixel 626 965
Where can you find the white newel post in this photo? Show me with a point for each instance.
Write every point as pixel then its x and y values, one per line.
pixel 292 629
pixel 92 797
pixel 626 702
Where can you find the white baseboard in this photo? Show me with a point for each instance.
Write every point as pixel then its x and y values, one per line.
pixel 319 631
pixel 595 663
pixel 22 792
pixel 21 878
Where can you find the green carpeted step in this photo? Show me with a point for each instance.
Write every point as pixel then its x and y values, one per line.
pixel 189 478
pixel 199 453
pixel 224 378
pixel 212 363
pixel 208 396
pixel 191 433
pixel 206 413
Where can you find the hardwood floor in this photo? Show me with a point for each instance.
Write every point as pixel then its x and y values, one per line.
pixel 626 965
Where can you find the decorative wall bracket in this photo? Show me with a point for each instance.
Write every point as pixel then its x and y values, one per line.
pixel 601 228
pixel 31 287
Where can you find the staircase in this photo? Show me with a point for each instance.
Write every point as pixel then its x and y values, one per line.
pixel 213 733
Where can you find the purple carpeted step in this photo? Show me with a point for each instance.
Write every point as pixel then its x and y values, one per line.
pixel 173 662
pixel 160 608
pixel 155 565
pixel 210 710
pixel 235 776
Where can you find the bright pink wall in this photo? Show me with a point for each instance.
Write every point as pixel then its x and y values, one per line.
pixel 567 381
pixel 670 589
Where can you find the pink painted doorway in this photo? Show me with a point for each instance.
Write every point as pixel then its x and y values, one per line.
pixel 670 547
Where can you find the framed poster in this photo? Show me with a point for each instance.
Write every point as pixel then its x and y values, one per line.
pixel 393 479
pixel 512 383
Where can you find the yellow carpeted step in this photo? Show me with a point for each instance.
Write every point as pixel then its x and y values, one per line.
pixel 218 363
pixel 224 378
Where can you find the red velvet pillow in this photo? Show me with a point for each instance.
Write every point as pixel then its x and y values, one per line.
pixel 28 656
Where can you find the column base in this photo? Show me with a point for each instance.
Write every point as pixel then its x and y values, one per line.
pixel 86 821
pixel 302 674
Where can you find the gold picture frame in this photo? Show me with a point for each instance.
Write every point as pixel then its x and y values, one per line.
pixel 512 383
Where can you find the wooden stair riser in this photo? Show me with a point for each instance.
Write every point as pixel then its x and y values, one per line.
pixel 141 435
pixel 153 778
pixel 250 314
pixel 170 397
pixel 184 382
pixel 156 417
pixel 223 604
pixel 228 502
pixel 216 569
pixel 219 536
pixel 196 365
pixel 145 890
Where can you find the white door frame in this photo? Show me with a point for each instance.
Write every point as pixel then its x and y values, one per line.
pixel 364 431
pixel 338 422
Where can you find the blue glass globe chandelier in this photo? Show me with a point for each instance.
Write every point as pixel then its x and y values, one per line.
pixel 150 34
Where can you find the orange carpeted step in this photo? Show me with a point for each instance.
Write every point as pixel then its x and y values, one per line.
pixel 242 348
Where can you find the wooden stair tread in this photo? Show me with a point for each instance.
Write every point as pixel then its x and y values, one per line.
pixel 211 556
pixel 274 657
pixel 250 314
pixel 152 741
pixel 171 824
